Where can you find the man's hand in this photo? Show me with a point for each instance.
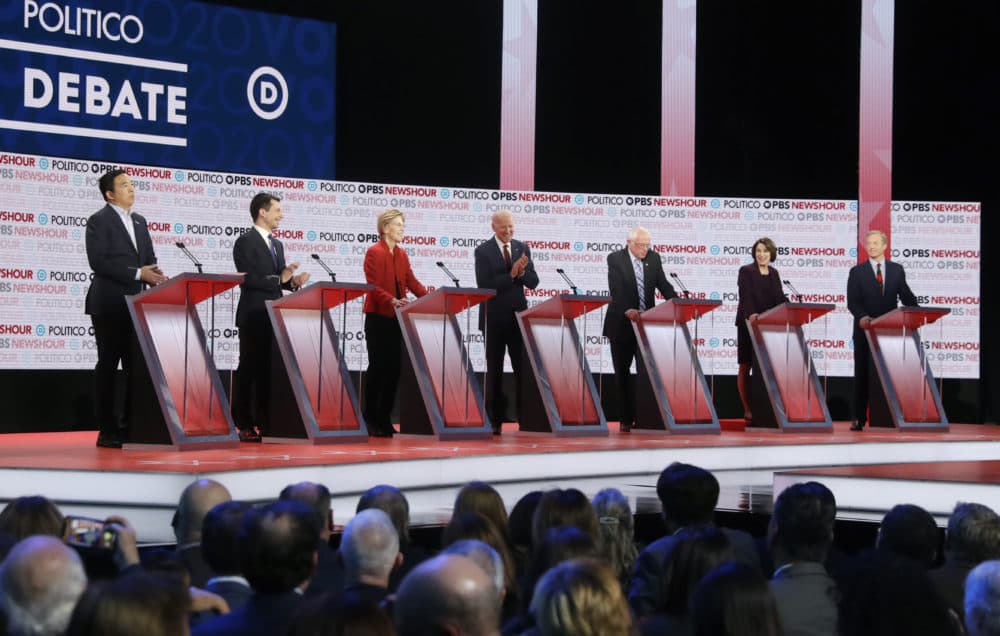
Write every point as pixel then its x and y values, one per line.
pixel 864 322
pixel 300 280
pixel 521 264
pixel 151 275
pixel 632 314
pixel 288 272
pixel 205 601
pixel 126 552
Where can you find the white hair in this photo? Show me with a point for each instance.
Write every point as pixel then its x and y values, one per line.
pixel 370 544
pixel 40 583
pixel 635 232
pixel 982 600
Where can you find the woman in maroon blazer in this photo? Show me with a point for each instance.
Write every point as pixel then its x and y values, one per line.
pixel 387 268
pixel 760 290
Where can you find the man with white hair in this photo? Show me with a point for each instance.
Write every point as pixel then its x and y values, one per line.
pixel 40 583
pixel 504 265
pixel 982 600
pixel 634 275
pixel 370 550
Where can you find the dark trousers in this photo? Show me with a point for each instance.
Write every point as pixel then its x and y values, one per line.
pixel 385 348
pixel 114 334
pixel 501 337
pixel 623 348
pixel 251 399
pixel 862 367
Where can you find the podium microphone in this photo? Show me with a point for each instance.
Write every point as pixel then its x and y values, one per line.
pixel 447 271
pixel 568 281
pixel 333 275
pixel 181 247
pixel 792 287
pixel 677 279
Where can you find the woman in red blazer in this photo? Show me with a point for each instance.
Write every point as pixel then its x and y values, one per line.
pixel 387 268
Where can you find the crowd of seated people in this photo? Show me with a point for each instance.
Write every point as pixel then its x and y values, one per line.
pixel 557 564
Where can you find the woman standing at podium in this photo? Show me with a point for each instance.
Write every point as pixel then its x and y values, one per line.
pixel 388 269
pixel 760 289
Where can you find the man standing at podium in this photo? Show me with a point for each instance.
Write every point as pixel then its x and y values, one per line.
pixel 504 265
pixel 873 289
pixel 260 257
pixel 121 255
pixel 634 275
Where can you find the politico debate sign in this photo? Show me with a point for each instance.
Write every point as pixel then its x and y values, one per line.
pixel 168 83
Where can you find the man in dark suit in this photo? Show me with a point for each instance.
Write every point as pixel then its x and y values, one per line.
pixel 630 270
pixel 329 575
pixel 219 533
pixel 873 289
pixel 260 257
pixel 973 536
pixel 370 549
pixel 121 255
pixel 504 265
pixel 196 500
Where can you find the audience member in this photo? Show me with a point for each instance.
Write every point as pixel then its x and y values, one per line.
pixel 370 550
pixel 341 614
pixel 219 533
pixel 485 557
pixel 40 582
pixel 519 530
pixel 195 502
pixel 735 600
pixel 982 600
pixel 329 574
pixel 568 507
pixel 581 597
pixel 448 594
pixel 910 531
pixel 27 516
pixel 973 536
pixel 482 498
pixel 472 525
pixel 616 526
pixel 392 502
pixel 138 603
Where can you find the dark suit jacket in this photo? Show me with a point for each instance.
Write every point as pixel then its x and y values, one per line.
pixel 492 273
pixel 194 561
pixel 625 292
pixel 263 615
pixel 807 600
pixel 115 260
pixel 757 293
pixel 380 264
pixel 949 579
pixel 864 298
pixel 261 280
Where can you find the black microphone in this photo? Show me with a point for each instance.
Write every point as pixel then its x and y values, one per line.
pixel 447 271
pixel 181 247
pixel 677 279
pixel 333 275
pixel 568 281
pixel 792 287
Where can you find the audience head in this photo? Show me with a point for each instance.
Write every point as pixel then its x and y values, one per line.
pixel 973 533
pixel 617 531
pixel 559 544
pixel 40 582
pixel 698 551
pixel 688 495
pixel 277 547
pixel 219 532
pixel 317 497
pixel 482 498
pixel 471 525
pixel 568 507
pixel 519 522
pixel 801 527
pixel 136 603
pixel 370 548
pixel 448 594
pixel 485 557
pixel 735 600
pixel 27 516
pixel 982 600
pixel 911 532
pixel 341 614
pixel 196 500
pixel 581 597
pixel 392 502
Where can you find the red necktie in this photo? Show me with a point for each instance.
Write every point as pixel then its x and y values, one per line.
pixel 878 277
pixel 506 255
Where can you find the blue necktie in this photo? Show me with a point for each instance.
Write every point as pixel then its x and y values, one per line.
pixel 640 283
pixel 274 251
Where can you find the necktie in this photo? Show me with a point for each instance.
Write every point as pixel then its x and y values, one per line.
pixel 878 277
pixel 640 283
pixel 506 255
pixel 274 250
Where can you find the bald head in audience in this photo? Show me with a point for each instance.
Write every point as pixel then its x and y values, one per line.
pixel 317 497
pixel 40 583
pixel 448 594
pixel 196 500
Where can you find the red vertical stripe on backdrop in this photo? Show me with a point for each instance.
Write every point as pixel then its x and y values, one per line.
pixel 517 107
pixel 677 114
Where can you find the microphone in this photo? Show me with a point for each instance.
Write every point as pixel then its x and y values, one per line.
pixel 447 271
pixel 568 281
pixel 792 287
pixel 333 275
pixel 677 279
pixel 181 247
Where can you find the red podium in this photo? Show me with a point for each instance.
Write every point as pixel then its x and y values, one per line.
pixel 438 393
pixel 671 392
pixel 559 395
pixel 177 397
pixel 902 393
pixel 786 393
pixel 312 396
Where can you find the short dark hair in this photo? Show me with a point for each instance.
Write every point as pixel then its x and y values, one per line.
pixel 107 181
pixel 392 502
pixel 277 544
pixel 768 245
pixel 261 200
pixel 312 494
pixel 973 533
pixel 26 516
pixel 910 531
pixel 804 515
pixel 688 494
pixel 219 532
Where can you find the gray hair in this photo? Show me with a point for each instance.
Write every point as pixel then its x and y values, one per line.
pixel 616 531
pixel 982 600
pixel 484 556
pixel 40 583
pixel 973 533
pixel 369 545
pixel 634 232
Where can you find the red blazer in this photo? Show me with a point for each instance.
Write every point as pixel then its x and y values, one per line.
pixel 379 262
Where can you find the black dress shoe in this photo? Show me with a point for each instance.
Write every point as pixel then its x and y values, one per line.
pixel 108 441
pixel 250 435
pixel 625 428
pixel 858 426
pixel 496 430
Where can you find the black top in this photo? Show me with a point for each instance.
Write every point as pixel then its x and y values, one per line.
pixel 758 293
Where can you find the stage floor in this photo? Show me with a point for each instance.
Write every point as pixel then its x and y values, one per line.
pixel 144 485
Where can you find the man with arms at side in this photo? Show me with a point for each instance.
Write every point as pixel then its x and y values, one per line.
pixel 634 276
pixel 873 289
pixel 260 257
pixel 121 255
pixel 502 264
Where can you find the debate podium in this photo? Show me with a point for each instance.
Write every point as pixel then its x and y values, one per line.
pixel 558 391
pixel 671 392
pixel 177 400
pixel 439 394
pixel 902 393
pixel 312 396
pixel 786 392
